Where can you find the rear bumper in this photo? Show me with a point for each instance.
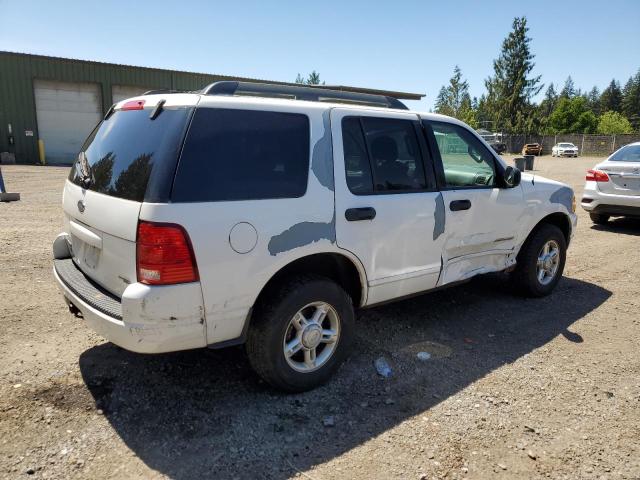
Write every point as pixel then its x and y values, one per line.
pixel 146 319
pixel 594 201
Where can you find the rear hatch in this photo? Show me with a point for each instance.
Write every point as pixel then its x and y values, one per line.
pixel 130 157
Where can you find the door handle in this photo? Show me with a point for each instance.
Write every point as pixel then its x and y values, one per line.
pixel 457 205
pixel 357 214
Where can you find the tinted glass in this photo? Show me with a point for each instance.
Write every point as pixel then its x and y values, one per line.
pixel 466 161
pixel 630 153
pixel 129 152
pixel 394 154
pixel 243 155
pixel 356 159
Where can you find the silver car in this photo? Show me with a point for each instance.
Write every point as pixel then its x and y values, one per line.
pixel 613 186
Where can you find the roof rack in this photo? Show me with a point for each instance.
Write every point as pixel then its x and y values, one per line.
pixel 316 93
pixel 163 90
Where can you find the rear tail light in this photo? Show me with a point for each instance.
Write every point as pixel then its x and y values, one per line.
pixel 133 105
pixel 597 176
pixel 164 255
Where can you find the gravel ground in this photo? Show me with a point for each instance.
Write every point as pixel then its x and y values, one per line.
pixel 514 388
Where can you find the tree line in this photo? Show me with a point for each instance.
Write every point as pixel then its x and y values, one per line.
pixel 508 106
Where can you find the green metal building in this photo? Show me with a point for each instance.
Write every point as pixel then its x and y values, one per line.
pixel 58 101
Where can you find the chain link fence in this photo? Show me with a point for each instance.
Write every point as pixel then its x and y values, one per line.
pixel 598 145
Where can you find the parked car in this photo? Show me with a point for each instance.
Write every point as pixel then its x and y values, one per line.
pixel 612 188
pixel 494 140
pixel 498 147
pixel 219 218
pixel 564 150
pixel 532 149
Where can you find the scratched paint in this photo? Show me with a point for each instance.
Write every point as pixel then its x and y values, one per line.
pixel 563 196
pixel 322 158
pixel 439 217
pixel 301 234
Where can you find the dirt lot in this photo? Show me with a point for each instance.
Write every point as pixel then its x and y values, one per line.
pixel 515 388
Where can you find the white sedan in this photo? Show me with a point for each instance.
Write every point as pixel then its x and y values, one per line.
pixel 564 150
pixel 613 186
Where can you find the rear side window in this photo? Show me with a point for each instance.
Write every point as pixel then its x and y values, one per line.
pixel 131 156
pixel 630 153
pixel 382 155
pixel 243 155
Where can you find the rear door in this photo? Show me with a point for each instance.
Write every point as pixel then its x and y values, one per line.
pixel 129 158
pixel 388 211
pixel 481 217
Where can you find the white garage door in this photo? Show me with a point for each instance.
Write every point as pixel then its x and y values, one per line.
pixel 66 113
pixel 122 92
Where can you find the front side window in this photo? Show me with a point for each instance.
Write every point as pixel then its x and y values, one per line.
pixel 243 155
pixel 466 161
pixel 382 155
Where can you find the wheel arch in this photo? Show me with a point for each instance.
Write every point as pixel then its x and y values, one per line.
pixel 344 270
pixel 558 219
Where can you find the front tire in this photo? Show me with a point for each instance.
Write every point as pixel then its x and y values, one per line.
pixel 599 219
pixel 301 333
pixel 541 261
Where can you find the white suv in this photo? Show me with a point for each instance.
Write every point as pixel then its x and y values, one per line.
pixel 229 216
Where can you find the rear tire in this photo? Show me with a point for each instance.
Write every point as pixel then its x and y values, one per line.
pixel 599 219
pixel 537 273
pixel 284 323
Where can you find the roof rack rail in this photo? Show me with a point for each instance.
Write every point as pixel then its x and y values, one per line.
pixel 163 90
pixel 318 93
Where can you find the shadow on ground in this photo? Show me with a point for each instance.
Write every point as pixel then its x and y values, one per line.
pixel 624 225
pixel 205 413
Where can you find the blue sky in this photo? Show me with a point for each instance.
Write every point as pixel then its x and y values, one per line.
pixel 405 45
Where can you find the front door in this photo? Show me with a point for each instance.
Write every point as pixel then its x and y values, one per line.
pixel 388 211
pixel 481 217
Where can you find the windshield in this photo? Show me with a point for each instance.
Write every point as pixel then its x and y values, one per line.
pixel 131 156
pixel 566 145
pixel 630 153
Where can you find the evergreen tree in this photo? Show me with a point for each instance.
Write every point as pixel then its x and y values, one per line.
pixel 312 79
pixel 454 99
pixel 593 100
pixel 631 101
pixel 569 89
pixel 611 98
pixel 442 105
pixel 510 89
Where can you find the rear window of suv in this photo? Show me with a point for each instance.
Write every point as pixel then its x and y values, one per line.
pixel 234 154
pixel 133 157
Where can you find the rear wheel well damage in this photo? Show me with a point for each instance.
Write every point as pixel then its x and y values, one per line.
pixel 334 266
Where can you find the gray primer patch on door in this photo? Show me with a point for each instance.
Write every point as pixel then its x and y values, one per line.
pixel 563 196
pixel 322 158
pixel 439 217
pixel 301 234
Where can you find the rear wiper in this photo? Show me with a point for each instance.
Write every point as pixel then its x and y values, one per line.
pixel 157 110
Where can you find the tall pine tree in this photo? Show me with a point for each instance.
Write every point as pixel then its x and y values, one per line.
pixel 611 98
pixel 631 101
pixel 569 89
pixel 510 89
pixel 454 99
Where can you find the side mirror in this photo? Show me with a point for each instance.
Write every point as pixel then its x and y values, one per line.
pixel 511 177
